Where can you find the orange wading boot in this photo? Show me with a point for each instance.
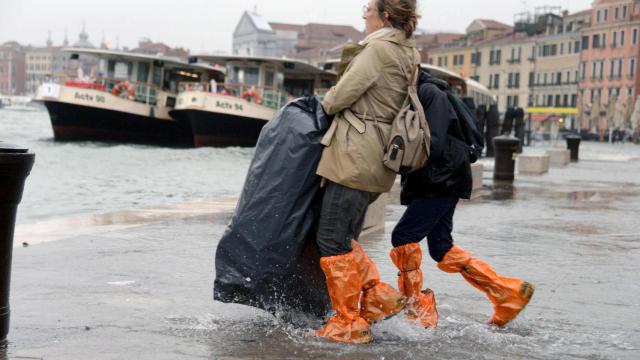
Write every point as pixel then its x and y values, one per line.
pixel 345 287
pixel 422 303
pixel 508 295
pixel 379 300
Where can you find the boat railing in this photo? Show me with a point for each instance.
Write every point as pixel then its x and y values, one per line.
pixel 265 95
pixel 142 92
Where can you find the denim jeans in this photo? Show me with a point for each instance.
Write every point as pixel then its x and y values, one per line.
pixel 341 218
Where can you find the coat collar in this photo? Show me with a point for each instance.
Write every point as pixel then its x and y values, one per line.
pixel 390 34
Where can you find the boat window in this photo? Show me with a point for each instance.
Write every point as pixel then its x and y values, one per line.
pixel 143 72
pixel 268 78
pixel 298 87
pixel 251 76
pixel 157 76
pixel 102 67
pixel 122 70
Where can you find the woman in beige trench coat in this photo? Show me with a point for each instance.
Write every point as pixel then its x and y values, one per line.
pixel 366 99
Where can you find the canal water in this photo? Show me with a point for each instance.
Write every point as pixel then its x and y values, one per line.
pixel 72 178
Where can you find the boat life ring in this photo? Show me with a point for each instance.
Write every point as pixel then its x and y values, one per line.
pixel 251 96
pixel 124 87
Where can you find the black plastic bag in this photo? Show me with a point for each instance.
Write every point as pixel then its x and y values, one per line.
pixel 267 257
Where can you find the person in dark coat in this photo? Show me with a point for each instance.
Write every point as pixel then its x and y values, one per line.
pixel 432 194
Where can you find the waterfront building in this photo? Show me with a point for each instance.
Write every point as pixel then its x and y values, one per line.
pixel 460 55
pixel 504 65
pixel 255 36
pixel 51 64
pixel 44 64
pixel 12 68
pixel 609 63
pixel 428 42
pixel 553 82
pixel 146 46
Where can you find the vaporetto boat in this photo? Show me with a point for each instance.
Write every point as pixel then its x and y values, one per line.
pixel 233 113
pixel 127 99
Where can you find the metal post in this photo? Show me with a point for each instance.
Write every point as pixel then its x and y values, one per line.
pixel 15 166
pixel 506 150
pixel 573 144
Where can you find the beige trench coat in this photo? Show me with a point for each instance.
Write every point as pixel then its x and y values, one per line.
pixel 373 87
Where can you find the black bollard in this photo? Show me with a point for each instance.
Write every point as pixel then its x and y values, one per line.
pixel 573 144
pixel 506 150
pixel 15 166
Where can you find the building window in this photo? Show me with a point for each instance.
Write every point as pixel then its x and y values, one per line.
pixel 598 16
pixel 615 39
pixel 565 100
pixel 531 78
pixel 624 12
pixel 496 81
pixel 596 41
pixel 612 68
pixel 622 38
pixel 585 43
pixel 476 58
pixel 606 14
pixel 574 100
pixel 594 68
pixel 559 78
pixel 601 69
pixel 620 66
pixel 632 67
pixel 634 40
pixel 604 41
pixel 616 13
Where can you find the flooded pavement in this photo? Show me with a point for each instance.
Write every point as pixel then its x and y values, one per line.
pixel 145 291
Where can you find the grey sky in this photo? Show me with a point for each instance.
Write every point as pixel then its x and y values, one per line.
pixel 207 25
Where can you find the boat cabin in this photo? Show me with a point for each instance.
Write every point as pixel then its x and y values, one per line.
pixel 267 80
pixel 141 77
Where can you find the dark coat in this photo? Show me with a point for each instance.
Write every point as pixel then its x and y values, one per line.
pixel 448 171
